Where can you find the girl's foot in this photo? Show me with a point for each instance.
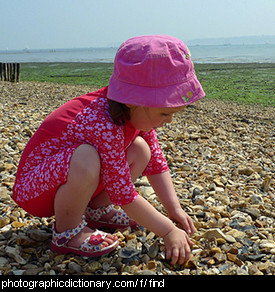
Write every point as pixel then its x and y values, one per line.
pixel 108 216
pixel 83 241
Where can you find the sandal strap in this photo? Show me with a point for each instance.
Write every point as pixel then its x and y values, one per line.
pixel 96 214
pixel 93 242
pixel 120 217
pixel 62 238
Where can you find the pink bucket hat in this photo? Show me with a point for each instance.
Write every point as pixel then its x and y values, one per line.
pixel 154 71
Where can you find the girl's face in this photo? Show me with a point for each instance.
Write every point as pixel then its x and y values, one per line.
pixel 147 118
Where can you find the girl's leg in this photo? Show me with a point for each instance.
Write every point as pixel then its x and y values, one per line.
pixel 73 197
pixel 138 156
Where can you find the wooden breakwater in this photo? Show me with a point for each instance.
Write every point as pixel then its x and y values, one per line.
pixel 10 72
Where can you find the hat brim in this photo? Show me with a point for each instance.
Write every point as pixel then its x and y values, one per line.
pixel 176 95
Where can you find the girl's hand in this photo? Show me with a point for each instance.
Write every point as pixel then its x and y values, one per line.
pixel 177 244
pixel 180 216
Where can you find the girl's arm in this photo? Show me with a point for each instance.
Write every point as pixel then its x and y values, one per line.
pixel 163 186
pixel 146 215
pixel 158 174
pixel 176 241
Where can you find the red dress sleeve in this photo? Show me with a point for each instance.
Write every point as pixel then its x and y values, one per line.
pixel 157 163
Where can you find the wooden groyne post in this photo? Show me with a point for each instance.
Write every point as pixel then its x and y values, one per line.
pixel 10 72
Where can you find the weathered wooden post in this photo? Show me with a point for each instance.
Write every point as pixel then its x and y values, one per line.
pixel 5 72
pixel 10 72
pixel 17 78
pixel 1 71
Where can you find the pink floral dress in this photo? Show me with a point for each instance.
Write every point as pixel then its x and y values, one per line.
pixel 45 162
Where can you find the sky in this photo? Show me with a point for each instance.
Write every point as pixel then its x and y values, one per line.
pixel 44 24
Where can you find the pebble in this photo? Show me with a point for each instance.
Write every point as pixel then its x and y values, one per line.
pixel 217 233
pixel 128 252
pixel 223 173
pixel 153 250
pixel 76 268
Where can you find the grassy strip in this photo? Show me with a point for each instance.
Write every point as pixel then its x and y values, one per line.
pixel 94 74
pixel 252 83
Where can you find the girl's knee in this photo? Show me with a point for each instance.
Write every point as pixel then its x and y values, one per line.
pixel 85 163
pixel 139 151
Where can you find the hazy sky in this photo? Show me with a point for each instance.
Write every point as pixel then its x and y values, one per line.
pixel 40 24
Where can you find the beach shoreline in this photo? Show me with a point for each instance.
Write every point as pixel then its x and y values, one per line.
pixel 201 53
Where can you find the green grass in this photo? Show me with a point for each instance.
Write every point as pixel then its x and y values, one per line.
pixel 94 74
pixel 245 83
pixel 252 83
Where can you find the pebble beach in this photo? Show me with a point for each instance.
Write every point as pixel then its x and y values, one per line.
pixel 221 157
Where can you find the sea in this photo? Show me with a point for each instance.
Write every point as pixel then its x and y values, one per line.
pixel 260 53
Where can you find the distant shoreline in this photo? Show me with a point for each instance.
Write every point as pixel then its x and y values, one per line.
pixel 225 53
pixel 53 50
pixel 214 41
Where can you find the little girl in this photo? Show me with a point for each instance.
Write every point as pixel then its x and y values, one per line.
pixel 85 156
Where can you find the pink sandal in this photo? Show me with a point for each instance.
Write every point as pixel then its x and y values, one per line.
pixel 91 247
pixel 120 219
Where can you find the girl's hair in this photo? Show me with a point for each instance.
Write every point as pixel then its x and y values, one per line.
pixel 119 112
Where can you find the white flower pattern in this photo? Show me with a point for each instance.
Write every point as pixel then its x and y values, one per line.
pixel 46 163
